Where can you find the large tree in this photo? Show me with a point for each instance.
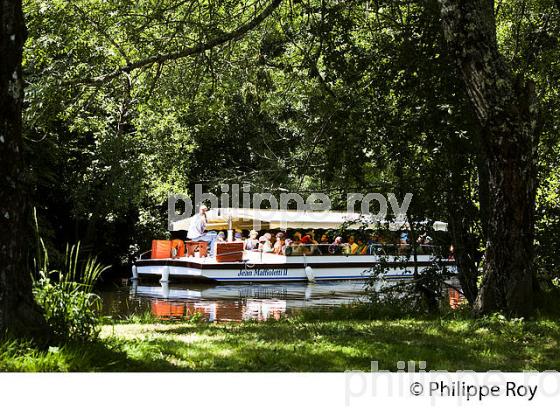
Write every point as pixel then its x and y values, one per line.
pixel 19 314
pixel 505 105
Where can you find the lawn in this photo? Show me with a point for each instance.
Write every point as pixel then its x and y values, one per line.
pixel 300 344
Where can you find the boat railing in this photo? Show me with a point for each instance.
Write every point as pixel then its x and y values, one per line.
pixel 344 249
pixel 143 255
pixel 378 249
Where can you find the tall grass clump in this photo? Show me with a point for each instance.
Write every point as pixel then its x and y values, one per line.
pixel 66 294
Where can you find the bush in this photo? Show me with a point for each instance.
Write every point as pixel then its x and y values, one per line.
pixel 70 307
pixel 424 294
pixel 72 313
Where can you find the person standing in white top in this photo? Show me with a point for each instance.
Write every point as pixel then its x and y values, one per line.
pixel 197 228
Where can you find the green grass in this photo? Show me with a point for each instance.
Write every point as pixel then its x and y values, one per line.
pixel 302 344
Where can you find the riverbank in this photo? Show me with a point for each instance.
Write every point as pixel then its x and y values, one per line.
pixel 302 344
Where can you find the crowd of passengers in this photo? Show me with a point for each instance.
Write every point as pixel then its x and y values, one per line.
pixel 298 243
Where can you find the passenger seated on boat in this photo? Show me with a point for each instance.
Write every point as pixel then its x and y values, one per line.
pixel 336 247
pixel 425 239
pixel 323 245
pixel 403 242
pixel 306 246
pixel 404 238
pixel 315 249
pixel 279 244
pixel 252 244
pixel 220 238
pixel 197 229
pixel 268 248
pixel 287 247
pixel 362 247
pixel 373 244
pixel 311 234
pixel 237 237
pixel 424 243
pixel 296 248
pixel 353 245
pixel 265 244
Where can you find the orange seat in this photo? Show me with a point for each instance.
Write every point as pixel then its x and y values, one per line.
pixel 229 251
pixel 161 249
pixel 202 247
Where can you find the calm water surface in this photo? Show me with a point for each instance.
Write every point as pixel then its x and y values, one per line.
pixel 228 302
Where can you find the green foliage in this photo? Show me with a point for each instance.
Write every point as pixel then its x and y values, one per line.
pixel 548 227
pixel 323 96
pixel 424 294
pixel 308 100
pixel 70 307
pixel 71 312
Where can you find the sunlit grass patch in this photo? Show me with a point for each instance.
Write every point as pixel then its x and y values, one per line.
pixel 298 344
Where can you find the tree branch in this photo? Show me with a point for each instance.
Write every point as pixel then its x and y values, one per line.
pixel 101 31
pixel 186 52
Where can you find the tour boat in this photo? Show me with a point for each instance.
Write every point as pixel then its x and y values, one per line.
pixel 233 264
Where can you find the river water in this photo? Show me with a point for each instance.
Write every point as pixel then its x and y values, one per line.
pixel 230 302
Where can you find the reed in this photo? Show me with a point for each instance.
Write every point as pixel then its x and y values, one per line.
pixel 65 293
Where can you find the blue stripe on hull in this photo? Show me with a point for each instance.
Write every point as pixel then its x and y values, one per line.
pixel 303 278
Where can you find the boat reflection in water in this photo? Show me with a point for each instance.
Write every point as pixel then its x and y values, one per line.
pixel 239 302
pixel 456 298
pixel 236 302
pixel 222 311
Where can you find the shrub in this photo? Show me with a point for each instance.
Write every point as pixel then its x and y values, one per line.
pixel 420 295
pixel 71 312
pixel 70 307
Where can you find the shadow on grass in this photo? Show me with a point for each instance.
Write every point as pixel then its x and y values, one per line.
pixel 339 346
pixel 295 345
pixel 23 356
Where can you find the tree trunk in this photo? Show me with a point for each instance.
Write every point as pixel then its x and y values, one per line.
pixel 483 193
pixel 464 250
pixel 19 314
pixel 506 110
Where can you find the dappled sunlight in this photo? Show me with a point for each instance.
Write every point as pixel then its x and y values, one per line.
pixel 290 345
pixel 295 345
pixel 158 331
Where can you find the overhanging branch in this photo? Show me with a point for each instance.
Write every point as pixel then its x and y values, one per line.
pixel 186 52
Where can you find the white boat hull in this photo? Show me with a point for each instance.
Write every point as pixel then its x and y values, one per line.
pixel 277 268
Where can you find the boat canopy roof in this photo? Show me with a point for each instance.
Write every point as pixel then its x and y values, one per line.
pixel 244 218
